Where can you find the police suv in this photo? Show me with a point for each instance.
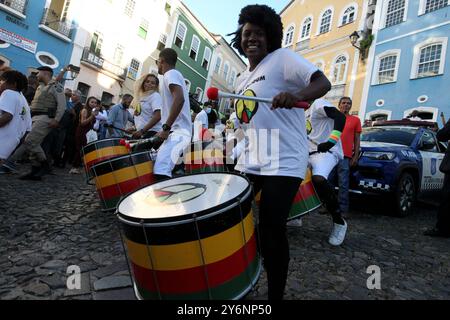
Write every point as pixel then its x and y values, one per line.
pixel 399 160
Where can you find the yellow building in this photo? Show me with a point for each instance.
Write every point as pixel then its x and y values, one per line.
pixel 320 30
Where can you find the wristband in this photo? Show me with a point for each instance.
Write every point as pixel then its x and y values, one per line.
pixel 335 137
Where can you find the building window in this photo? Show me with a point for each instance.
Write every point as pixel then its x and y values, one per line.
pixel 3 44
pixel 162 42
pixel 195 46
pixel 17 5
pixel 325 21
pixel 129 8
pixel 289 36
pixel 232 78
pixel 206 58
pixel 379 115
pixel 47 59
pixel 395 12
pixel 386 67
pixel 133 70
pixel 181 35
pixel 432 5
pixel 349 15
pixel 107 98
pixel 386 72
pixel 143 29
pixel 339 70
pixel 218 65
pixel 118 55
pixel 429 58
pixel 306 28
pixel 84 89
pixel 226 70
pixel 96 44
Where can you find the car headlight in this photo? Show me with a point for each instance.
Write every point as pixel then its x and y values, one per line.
pixel 379 155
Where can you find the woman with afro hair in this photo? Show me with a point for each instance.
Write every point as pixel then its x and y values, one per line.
pixel 276 153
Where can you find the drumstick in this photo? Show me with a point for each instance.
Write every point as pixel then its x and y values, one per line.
pixel 215 94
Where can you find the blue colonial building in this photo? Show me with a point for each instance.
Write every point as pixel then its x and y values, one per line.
pixel 410 65
pixel 35 33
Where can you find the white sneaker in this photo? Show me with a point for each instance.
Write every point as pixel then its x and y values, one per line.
pixel 295 223
pixel 338 234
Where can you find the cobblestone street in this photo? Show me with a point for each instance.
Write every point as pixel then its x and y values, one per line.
pixel 51 225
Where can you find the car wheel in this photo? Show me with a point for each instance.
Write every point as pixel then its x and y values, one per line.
pixel 405 196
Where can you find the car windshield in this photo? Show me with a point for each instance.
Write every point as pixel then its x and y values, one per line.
pixel 403 136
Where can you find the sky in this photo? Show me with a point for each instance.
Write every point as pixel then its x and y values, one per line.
pixel 221 16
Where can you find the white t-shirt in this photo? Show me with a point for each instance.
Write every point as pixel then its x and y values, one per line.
pixel 200 122
pixel 321 126
pixel 183 124
pixel 149 105
pixel 14 103
pixel 276 142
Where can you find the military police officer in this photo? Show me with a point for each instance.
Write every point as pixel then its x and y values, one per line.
pixel 47 109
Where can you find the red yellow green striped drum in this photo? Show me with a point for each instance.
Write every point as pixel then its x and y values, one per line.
pixel 306 200
pixel 192 238
pixel 205 157
pixel 118 177
pixel 101 150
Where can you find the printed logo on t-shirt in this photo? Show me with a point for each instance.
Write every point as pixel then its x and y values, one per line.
pixel 23 113
pixel 138 110
pixel 245 109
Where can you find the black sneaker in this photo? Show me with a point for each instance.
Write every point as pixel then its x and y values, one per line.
pixel 32 176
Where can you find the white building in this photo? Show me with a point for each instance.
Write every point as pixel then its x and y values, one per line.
pixel 227 65
pixel 115 44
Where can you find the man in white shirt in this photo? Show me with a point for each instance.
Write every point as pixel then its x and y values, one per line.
pixel 15 114
pixel 175 116
pixel 326 124
pixel 201 121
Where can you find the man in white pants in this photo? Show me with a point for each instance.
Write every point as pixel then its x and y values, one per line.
pixel 326 123
pixel 175 116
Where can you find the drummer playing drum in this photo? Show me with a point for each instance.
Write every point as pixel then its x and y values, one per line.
pixel 175 115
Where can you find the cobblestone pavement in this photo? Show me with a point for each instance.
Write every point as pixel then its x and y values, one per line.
pixel 45 227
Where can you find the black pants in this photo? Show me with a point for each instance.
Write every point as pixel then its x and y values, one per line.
pixel 277 196
pixel 443 223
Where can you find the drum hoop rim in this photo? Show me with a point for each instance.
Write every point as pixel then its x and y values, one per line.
pixel 205 216
pixel 99 141
pixel 118 158
pixel 243 195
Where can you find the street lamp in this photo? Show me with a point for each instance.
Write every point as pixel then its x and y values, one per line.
pixel 73 71
pixel 354 37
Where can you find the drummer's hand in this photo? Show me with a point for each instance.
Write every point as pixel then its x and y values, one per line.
pixel 284 100
pixel 163 135
pixel 137 134
pixel 130 131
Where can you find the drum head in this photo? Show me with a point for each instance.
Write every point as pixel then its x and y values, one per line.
pixel 180 198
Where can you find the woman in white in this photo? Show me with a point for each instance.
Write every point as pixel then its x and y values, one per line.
pixel 147 114
pixel 276 154
pixel 15 114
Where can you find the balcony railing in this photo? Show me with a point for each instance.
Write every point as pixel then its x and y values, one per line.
pixel 17 5
pixel 336 92
pixel 302 45
pixel 97 61
pixel 52 20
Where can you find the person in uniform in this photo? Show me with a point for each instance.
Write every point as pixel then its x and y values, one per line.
pixel 47 109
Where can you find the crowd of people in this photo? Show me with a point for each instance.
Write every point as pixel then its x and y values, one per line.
pixel 325 138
